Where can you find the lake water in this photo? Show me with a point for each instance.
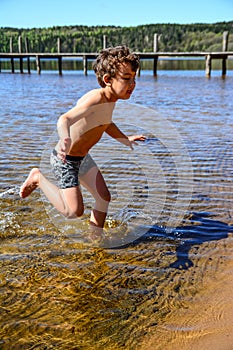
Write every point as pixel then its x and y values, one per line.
pixel 170 221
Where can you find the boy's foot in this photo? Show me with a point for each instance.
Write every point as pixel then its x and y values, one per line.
pixel 96 234
pixel 30 184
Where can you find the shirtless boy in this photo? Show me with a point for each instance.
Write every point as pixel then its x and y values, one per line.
pixel 79 130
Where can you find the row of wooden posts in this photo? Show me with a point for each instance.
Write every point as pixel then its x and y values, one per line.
pixel 85 56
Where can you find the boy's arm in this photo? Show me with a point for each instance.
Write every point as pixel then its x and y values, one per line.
pixel 72 116
pixel 117 134
pixel 69 118
pixel 63 128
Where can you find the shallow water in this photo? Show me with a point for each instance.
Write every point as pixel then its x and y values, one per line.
pixel 172 196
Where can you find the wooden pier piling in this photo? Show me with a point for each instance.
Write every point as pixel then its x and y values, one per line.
pixel 155 55
pixel 104 41
pixel 12 59
pixel 208 66
pixel 28 58
pixel 155 66
pixel 224 49
pixel 209 56
pixel 38 65
pixel 225 41
pixel 60 65
pixel 20 51
pixel 156 49
pixel 85 65
pixel 224 67
pixel 156 42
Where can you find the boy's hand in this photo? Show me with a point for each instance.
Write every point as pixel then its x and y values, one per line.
pixel 64 147
pixel 134 138
pixel 137 138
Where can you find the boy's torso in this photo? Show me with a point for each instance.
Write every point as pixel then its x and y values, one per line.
pixel 86 132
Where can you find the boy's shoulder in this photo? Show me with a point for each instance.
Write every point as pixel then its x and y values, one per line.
pixel 92 97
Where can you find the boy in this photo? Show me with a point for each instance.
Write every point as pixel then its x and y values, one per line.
pixel 79 130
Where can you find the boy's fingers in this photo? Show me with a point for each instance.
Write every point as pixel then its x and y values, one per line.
pixel 141 138
pixel 137 137
pixel 62 156
pixel 132 143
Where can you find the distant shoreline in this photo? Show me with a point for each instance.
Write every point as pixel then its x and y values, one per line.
pixel 78 38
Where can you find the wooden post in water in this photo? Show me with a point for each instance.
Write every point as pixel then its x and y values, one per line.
pixel 85 65
pixel 224 49
pixel 20 51
pixel 12 59
pixel 208 66
pixel 28 58
pixel 155 66
pixel 156 49
pixel 60 65
pixel 38 65
pixel 224 67
pixel 59 57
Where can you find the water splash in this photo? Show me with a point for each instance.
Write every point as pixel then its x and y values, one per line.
pixel 10 193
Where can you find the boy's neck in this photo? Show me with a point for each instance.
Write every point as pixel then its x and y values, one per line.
pixel 108 95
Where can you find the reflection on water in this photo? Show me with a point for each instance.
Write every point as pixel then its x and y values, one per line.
pixel 58 292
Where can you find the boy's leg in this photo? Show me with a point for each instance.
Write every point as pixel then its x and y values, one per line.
pixel 68 202
pixel 94 182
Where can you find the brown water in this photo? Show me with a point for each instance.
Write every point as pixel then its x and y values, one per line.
pixel 171 214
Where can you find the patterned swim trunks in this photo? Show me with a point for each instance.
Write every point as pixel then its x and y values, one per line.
pixel 67 174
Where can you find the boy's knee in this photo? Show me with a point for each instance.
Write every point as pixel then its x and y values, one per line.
pixel 73 214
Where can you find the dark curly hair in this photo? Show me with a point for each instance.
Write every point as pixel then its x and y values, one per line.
pixel 109 60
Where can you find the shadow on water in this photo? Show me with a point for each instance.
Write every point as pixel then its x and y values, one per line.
pixel 203 229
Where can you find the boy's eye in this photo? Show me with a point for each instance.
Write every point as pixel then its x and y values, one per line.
pixel 129 79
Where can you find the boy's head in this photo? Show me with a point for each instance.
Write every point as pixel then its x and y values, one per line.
pixel 109 61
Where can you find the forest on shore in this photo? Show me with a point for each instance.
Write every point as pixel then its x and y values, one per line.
pixel 172 37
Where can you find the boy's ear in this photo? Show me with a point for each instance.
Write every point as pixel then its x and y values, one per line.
pixel 107 79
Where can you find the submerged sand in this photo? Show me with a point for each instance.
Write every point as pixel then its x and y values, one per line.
pixel 205 323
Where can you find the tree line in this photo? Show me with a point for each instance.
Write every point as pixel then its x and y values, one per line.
pixel 172 37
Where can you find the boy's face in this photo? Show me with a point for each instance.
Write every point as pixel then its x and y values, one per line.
pixel 123 83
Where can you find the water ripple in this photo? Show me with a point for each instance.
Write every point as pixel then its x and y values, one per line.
pixel 57 291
